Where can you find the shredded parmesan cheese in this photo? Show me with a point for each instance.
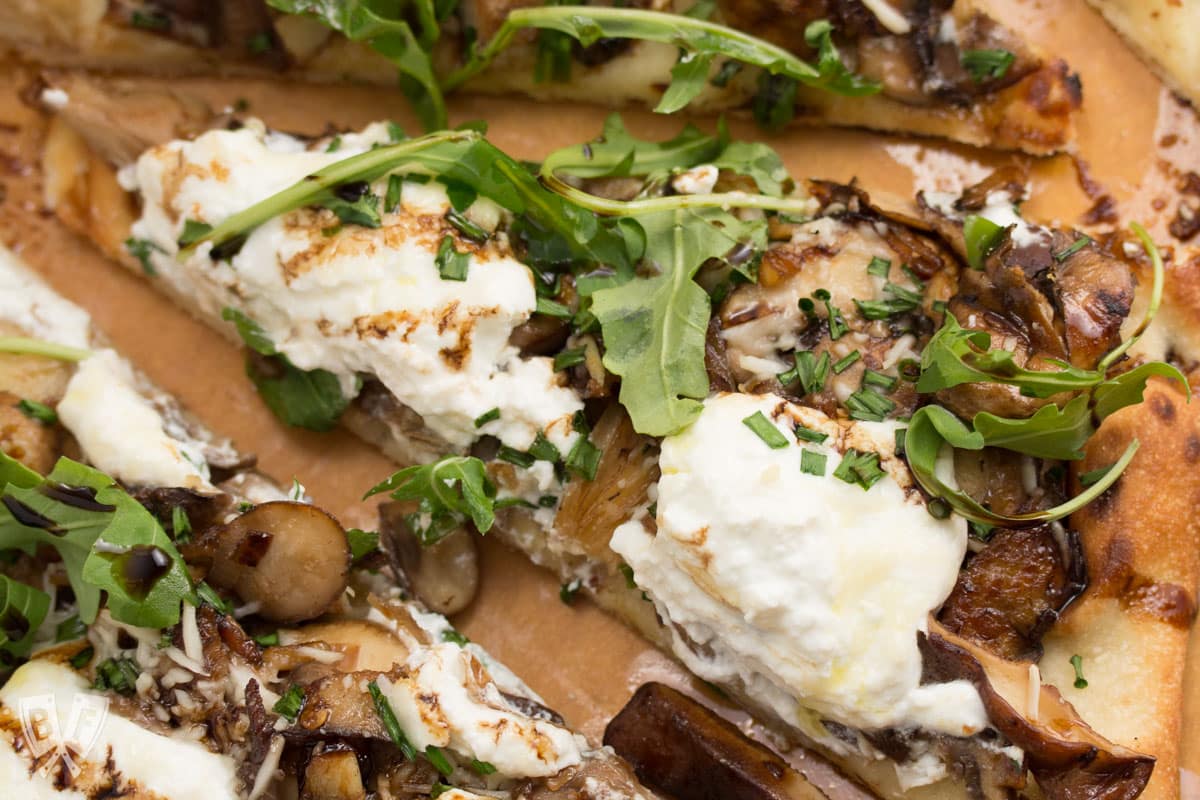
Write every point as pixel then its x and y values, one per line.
pixel 888 16
pixel 1034 692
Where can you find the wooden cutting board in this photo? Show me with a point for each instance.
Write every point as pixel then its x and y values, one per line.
pixel 1135 139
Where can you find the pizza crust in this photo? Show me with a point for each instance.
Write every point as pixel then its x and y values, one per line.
pixel 1165 33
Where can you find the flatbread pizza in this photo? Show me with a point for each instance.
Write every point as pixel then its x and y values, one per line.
pixel 937 69
pixel 869 471
pixel 177 625
pixel 1163 34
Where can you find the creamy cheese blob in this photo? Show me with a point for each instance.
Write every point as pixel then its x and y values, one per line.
pixel 351 299
pixel 441 703
pixel 804 588
pixel 136 759
pixel 30 305
pixel 122 433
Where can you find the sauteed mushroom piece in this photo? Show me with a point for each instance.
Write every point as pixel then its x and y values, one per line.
pixel 445 574
pixel 291 559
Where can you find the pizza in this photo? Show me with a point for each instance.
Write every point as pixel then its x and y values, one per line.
pixel 177 625
pixel 1162 33
pixel 937 69
pixel 905 482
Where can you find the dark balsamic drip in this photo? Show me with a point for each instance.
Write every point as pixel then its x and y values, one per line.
pixel 82 497
pixel 27 516
pixel 140 568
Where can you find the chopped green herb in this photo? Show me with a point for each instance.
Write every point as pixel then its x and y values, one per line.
pixel 181 526
pixel 981 236
pixel 985 65
pixel 765 429
pixel 569 358
pixel 804 434
pixel 361 542
pixel 353 203
pixel 885 382
pixel 567 592
pixel 846 362
pixel 39 411
pixel 70 629
pixel 869 406
pixel 439 761
pixel 394 193
pixel 1077 663
pixel 879 267
pixel 467 228
pixel 388 717
pixel 207 594
pixel 335 144
pixel 725 73
pixel 117 674
pixel 486 417
pixel 141 250
pixel 289 703
pixel 901 435
pixel 450 490
pixel 981 531
pixel 515 456
pixel 812 462
pixel 809 370
pixel 1072 249
pixel 82 658
pixel 837 323
pixel 452 265
pixel 482 767
pixel 547 501
pixel 859 467
pixel 584 458
pixel 544 450
pixel 267 639
pixel 438 789
pixel 193 231
pixel 454 637
pixel 552 308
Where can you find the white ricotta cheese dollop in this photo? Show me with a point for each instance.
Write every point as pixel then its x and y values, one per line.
pixel 121 432
pixel 351 299
pixel 807 590
pixel 442 703
pixel 105 745
pixel 31 306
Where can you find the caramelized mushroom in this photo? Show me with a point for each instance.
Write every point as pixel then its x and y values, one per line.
pixel 291 559
pixel 333 774
pixel 367 645
pixel 33 443
pixel 445 574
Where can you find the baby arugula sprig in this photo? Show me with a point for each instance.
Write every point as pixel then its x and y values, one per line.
pixel 955 356
pixel 406 32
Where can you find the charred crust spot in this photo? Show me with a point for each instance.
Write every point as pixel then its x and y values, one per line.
pixel 1163 408
pixel 1167 602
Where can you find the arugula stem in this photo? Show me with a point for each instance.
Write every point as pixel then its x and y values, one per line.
pixel 1156 292
pixel 587 24
pixel 364 166
pixel 803 206
pixel 23 345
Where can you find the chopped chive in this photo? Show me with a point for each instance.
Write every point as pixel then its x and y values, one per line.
pixel 452 265
pixel 567 592
pixel 579 423
pixel 83 657
pixel 879 267
pixel 569 358
pixel 335 144
pixel 39 411
pixel 885 382
pixel 267 639
pixel 584 459
pixel 486 417
pixel 466 227
pixel 869 406
pixel 813 463
pixel 547 501
pixel 543 449
pixel 395 132
pixel 812 371
pixel 765 430
pixel 1072 249
pixel 552 309
pixel 845 363
pixel 395 189
pixel 804 434
pixel 439 761
pixel 454 637
pixel 289 704
pixel 1077 663
pixel 388 717
pixel 983 65
pixel 515 456
pixel 807 306
pixel 118 674
pixel 181 526
pixel 482 767
pixel 70 629
pixel 860 468
pixel 837 323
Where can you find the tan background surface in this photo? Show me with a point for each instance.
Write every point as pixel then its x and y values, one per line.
pixel 1133 137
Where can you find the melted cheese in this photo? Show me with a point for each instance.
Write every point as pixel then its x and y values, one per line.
pixel 804 589
pixel 357 300
pixel 441 703
pixel 133 757
pixel 120 430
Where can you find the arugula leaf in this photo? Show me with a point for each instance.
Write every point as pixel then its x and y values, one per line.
pixel 933 427
pixel 654 328
pixel 1127 388
pixel 706 39
pixel 362 542
pixel 449 492
pixel 22 610
pixel 71 510
pixel 251 332
pixel 688 79
pixel 1052 432
pixel 835 77
pixel 955 355
pixel 774 104
pixel 354 204
pixel 382 26
pixel 984 65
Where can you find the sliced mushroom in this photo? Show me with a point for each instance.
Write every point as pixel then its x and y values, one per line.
pixel 445 574
pixel 683 749
pixel 1070 760
pixel 291 559
pixel 367 645
pixel 333 774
